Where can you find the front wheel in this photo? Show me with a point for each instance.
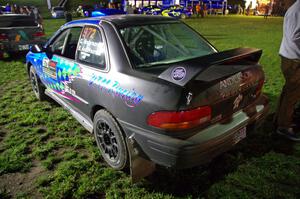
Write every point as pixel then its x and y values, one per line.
pixel 110 140
pixel 183 16
pixel 37 87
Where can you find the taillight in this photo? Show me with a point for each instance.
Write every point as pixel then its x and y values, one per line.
pixel 3 37
pixel 259 87
pixel 38 34
pixel 180 120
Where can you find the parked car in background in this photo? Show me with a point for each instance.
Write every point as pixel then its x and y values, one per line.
pixel 18 32
pixel 177 11
pixel 151 10
pixel 57 12
pixel 87 10
pixel 150 89
pixel 99 12
pixel 2 10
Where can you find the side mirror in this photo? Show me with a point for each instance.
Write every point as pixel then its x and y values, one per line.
pixel 37 48
pixel 49 52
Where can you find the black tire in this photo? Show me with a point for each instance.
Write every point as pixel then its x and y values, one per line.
pixel 37 87
pixel 183 16
pixel 110 140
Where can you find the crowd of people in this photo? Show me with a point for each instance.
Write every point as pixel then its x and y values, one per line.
pixel 201 9
pixel 25 10
pixel 131 9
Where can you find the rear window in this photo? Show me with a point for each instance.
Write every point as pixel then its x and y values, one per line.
pixel 157 44
pixel 16 21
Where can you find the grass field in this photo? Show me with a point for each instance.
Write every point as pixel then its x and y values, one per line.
pixel 44 152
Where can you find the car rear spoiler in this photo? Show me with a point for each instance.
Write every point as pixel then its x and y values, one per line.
pixel 183 72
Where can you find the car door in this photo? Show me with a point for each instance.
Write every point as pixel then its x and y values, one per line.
pixel 92 57
pixel 59 65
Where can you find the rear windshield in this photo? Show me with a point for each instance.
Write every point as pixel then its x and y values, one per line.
pixel 16 21
pixel 156 44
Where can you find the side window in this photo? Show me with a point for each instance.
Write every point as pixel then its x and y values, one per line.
pixel 66 43
pixel 71 43
pixel 58 44
pixel 91 48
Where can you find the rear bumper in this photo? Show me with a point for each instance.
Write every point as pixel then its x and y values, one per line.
pixel 200 148
pixel 13 46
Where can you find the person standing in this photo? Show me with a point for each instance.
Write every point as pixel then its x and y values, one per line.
pixel 239 9
pixel 130 9
pixel 201 9
pixel 248 10
pixel 205 9
pixel 198 9
pixel 267 8
pixel 38 17
pixel 290 66
pixel 30 12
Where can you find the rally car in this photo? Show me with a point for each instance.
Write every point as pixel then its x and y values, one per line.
pixel 177 11
pixel 150 89
pixel 99 12
pixel 151 10
pixel 18 32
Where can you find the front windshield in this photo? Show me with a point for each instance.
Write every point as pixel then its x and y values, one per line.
pixel 156 44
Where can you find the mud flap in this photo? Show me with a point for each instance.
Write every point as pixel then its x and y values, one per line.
pixel 139 166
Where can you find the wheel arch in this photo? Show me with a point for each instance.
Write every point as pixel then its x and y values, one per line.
pixel 28 65
pixel 97 108
pixel 94 110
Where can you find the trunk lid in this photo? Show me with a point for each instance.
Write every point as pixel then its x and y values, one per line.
pixel 226 81
pixel 19 28
pixel 227 86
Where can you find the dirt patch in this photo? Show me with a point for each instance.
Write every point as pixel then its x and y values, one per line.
pixel 3 132
pixel 16 183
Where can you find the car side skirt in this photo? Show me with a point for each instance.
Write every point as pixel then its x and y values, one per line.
pixel 83 120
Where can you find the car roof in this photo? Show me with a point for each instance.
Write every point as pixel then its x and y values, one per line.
pixel 125 20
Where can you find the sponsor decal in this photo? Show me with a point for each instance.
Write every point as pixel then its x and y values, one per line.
pixel 67 89
pixel 90 44
pixel 62 76
pixel 22 36
pixel 237 83
pixel 49 68
pixel 87 47
pixel 89 33
pixel 178 73
pixel 189 98
pixel 175 14
pixel 237 101
pixel 231 81
pixel 114 88
pixel 230 86
pixel 217 118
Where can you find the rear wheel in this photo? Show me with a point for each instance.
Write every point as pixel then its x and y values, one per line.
pixel 110 140
pixel 37 86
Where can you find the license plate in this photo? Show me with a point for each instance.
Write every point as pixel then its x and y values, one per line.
pixel 239 135
pixel 24 47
